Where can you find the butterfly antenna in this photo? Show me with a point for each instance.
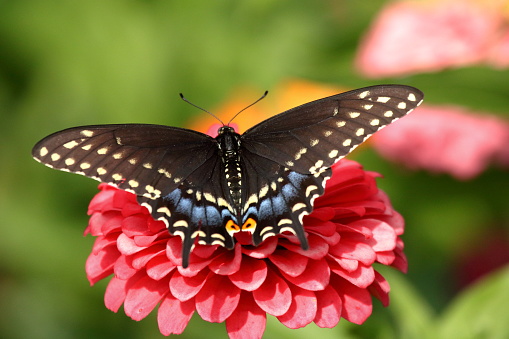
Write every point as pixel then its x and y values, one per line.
pixel 242 110
pixel 190 103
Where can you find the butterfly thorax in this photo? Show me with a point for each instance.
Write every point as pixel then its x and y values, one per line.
pixel 228 142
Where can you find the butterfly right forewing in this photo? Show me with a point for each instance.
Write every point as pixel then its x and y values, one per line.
pixel 311 137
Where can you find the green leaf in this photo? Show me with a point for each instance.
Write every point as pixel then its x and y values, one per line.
pixel 412 314
pixel 480 311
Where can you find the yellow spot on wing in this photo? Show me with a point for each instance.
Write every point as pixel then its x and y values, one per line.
pixel 71 144
pixel 43 151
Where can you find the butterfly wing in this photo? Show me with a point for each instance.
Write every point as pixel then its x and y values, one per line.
pixel 276 198
pixel 159 164
pixel 198 208
pixel 301 144
pixel 311 137
pixel 133 157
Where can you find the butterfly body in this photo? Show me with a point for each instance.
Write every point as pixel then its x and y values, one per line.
pixel 206 189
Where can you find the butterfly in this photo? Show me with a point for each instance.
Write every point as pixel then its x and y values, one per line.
pixel 206 189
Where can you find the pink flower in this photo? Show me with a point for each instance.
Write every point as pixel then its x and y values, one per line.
pixel 499 53
pixel 444 139
pixel 411 36
pixel 352 227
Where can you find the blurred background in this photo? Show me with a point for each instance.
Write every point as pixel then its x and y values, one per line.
pixel 71 63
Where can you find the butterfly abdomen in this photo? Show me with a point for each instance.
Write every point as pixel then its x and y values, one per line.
pixel 229 146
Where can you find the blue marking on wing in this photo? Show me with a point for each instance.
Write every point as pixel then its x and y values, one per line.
pixel 289 191
pixel 173 196
pixel 296 178
pixel 213 216
pixel 198 215
pixel 251 211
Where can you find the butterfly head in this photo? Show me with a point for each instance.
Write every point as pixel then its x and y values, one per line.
pixel 225 130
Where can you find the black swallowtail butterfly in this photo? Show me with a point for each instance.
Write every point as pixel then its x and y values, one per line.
pixel 206 189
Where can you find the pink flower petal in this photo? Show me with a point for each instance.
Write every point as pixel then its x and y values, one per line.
pixel 127 245
pixel 174 315
pixel 380 289
pixel 465 27
pixel 143 296
pixel 386 258
pixel 302 310
pixel 324 228
pixel 329 308
pixel 104 223
pixel 357 305
pixel 103 200
pixel 140 259
pixel 350 249
pixel 450 140
pixel 184 288
pixel 362 277
pixel 325 213
pixel 115 294
pixel 274 296
pixel 383 235
pixel 314 278
pixel 247 321
pixel 100 265
pixel 105 241
pixel 293 264
pixel 228 262
pixel 263 250
pixel 217 300
pixel 317 247
pixel 159 267
pixel 174 250
pixel 134 225
pixel 123 268
pixel 348 265
pixel 251 274
pixel 400 262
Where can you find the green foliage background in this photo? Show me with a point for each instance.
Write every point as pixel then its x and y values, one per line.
pixel 69 63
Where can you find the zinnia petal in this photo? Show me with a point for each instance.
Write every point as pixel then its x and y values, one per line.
pixel 274 296
pixel 174 315
pixel 217 299
pixel 247 321
pixel 302 310
pixel 251 274
pixel 143 296
pixel 329 307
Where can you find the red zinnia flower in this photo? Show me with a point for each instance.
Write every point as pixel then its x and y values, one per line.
pixel 446 139
pixel 353 225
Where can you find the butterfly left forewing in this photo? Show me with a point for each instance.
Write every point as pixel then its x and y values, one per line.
pixel 149 160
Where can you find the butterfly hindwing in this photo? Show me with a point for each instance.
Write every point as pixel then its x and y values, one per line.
pixel 197 209
pixel 277 198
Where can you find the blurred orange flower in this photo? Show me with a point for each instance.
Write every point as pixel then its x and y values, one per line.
pixel 287 95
